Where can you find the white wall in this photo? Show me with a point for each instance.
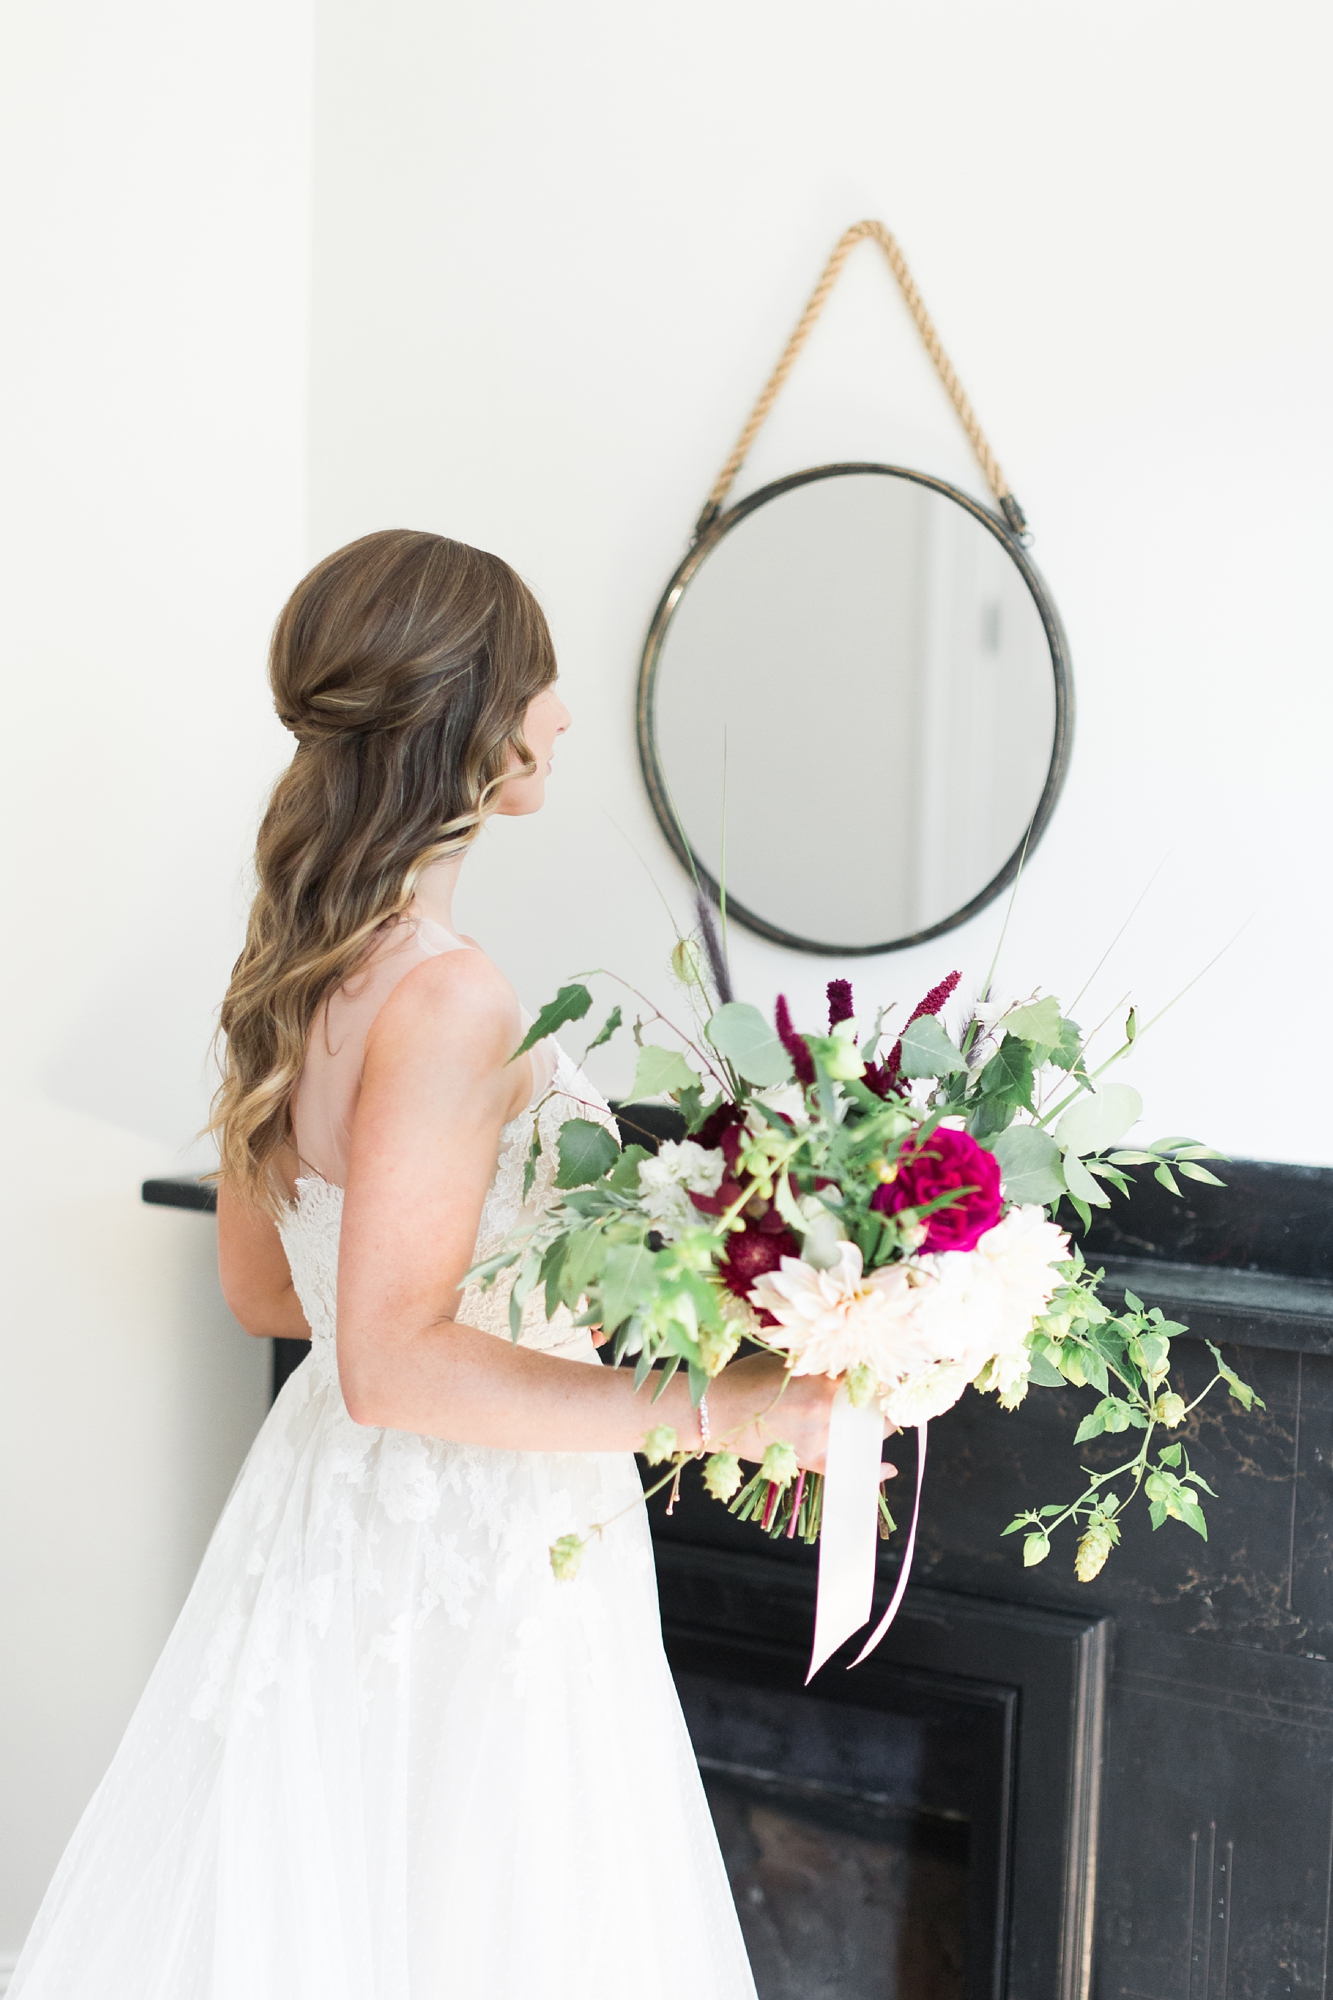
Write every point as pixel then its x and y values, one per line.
pixel 558 248
pixel 155 249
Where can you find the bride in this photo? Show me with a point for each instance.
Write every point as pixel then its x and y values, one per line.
pixel 385 1755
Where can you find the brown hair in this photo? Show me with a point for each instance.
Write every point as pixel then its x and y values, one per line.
pixel 404 665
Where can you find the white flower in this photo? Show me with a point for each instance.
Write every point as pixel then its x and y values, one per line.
pixel 928 1326
pixel 988 1297
pixel 835 1319
pixel 919 1398
pixel 666 1182
pixel 787 1099
pixel 1007 1374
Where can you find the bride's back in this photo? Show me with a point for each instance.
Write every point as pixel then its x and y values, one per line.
pixel 330 1085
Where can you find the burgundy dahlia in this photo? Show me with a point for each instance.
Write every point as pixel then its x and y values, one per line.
pixel 944 1163
pixel 752 1251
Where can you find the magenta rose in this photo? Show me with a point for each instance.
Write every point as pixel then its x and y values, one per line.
pixel 944 1162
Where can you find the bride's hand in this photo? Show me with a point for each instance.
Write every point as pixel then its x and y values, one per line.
pixel 750 1409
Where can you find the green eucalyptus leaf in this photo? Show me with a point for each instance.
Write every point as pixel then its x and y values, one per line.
pixel 586 1151
pixel 739 1032
pixel 1029 1165
pixel 571 1003
pixel 1099 1119
pixel 660 1070
pixel 1081 1185
pixel 1197 1173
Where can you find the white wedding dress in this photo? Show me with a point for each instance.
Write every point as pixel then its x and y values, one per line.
pixel 385 1755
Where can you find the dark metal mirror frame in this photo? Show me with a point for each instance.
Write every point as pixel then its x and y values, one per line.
pixel 654 777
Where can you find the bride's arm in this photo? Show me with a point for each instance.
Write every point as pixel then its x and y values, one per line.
pixel 437 1089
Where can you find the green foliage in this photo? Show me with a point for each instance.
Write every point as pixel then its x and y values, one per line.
pixel 1038 1022
pixel 585 1151
pixel 628 1281
pixel 604 1033
pixel 741 1034
pixel 571 1003
pixel 1127 1358
pixel 1095 1121
pixel 927 1050
pixel 534 1154
pixel 1021 1083
pixel 1240 1391
pixel 1029 1164
pixel 1003 1088
pixel 624 1175
pixel 660 1071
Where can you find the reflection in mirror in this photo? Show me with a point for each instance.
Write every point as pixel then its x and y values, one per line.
pixel 872 658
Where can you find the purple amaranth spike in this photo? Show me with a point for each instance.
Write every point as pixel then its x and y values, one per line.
pixel 886 1077
pixel 801 1059
pixel 840 1006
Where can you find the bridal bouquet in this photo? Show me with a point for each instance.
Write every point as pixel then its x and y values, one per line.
pixel 881 1215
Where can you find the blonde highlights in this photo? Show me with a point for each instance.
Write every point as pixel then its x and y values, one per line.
pixel 404 665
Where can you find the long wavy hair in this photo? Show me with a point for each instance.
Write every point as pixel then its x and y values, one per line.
pixel 403 664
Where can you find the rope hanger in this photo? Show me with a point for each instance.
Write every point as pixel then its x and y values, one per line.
pixel 925 326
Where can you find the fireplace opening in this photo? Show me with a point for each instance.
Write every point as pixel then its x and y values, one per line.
pixel 861 1843
pixel 921 1828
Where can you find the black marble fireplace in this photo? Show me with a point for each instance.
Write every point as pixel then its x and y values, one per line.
pixel 921 1829
pixel 1038 1789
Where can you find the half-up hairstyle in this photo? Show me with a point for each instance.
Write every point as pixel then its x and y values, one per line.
pixel 404 665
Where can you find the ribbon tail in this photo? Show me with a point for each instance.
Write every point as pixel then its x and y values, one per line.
pixel 906 1570
pixel 849 1527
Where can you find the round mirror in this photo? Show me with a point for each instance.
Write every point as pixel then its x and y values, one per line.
pixel 864 664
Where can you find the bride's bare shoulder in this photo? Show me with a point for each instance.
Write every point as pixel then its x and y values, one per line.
pixel 461 996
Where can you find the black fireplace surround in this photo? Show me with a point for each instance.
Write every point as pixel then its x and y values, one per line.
pixel 1037 1789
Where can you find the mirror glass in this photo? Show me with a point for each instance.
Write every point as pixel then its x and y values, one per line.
pixel 867 663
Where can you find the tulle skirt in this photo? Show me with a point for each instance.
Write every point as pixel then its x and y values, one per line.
pixel 386 1756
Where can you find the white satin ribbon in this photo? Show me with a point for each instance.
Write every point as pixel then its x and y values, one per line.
pixel 849 1526
pixel 908 1553
pixel 849 1532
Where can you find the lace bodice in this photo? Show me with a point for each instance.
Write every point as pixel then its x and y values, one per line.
pixel 311 1228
